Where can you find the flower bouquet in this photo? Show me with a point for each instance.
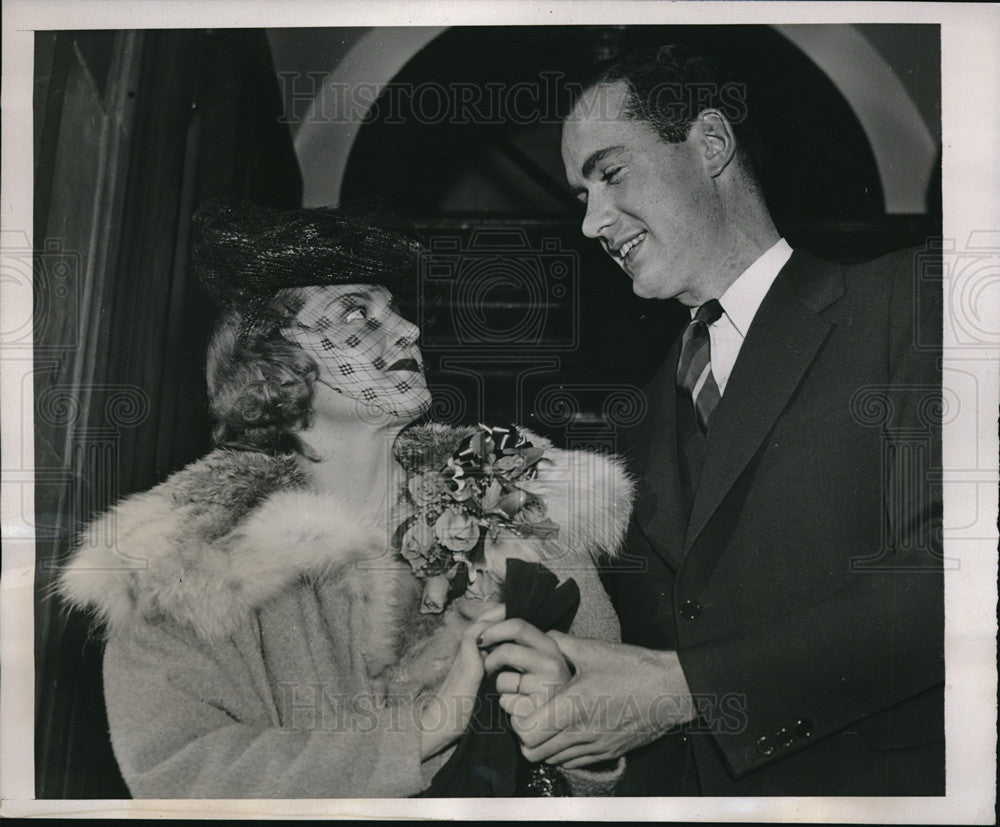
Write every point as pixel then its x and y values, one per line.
pixel 466 509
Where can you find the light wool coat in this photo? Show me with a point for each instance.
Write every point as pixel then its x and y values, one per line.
pixel 262 643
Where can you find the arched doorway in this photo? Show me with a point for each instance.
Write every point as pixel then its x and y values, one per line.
pixel 888 75
pixel 465 139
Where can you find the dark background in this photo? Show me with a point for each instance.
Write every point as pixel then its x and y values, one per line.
pixel 523 318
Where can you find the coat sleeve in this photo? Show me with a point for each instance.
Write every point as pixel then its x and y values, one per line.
pixel 603 499
pixel 184 726
pixel 595 618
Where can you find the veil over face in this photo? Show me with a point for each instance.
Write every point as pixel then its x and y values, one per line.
pixel 363 348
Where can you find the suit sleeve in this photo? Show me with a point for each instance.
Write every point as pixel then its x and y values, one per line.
pixel 788 681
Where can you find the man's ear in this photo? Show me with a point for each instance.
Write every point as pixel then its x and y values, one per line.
pixel 716 139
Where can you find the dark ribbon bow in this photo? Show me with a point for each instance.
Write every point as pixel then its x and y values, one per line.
pixel 503 437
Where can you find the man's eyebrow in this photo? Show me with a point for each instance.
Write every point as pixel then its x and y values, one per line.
pixel 596 157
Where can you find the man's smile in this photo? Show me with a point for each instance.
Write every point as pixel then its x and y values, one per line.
pixel 621 253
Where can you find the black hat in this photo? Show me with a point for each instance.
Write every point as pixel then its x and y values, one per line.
pixel 245 253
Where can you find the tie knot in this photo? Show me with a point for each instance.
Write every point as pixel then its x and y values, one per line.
pixel 709 312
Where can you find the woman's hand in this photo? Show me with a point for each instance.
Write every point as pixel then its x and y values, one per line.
pixel 445 715
pixel 532 668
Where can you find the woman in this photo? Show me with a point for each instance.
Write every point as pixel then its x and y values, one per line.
pixel 264 632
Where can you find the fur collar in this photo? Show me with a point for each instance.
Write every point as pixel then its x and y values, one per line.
pixel 200 548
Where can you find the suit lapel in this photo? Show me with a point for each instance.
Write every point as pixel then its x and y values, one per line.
pixel 659 508
pixel 782 342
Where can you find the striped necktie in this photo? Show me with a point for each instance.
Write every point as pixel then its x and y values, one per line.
pixel 694 370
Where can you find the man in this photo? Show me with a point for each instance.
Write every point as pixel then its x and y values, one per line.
pixel 786 623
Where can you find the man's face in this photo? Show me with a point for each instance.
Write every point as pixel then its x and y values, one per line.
pixel 363 348
pixel 651 203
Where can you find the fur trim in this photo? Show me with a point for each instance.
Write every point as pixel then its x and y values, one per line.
pixel 589 496
pixel 170 552
pixel 233 530
pixel 428 445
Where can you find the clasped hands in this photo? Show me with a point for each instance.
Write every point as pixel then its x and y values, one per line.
pixel 575 701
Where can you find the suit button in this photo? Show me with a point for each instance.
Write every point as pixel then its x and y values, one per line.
pixel 784 737
pixel 803 728
pixel 690 609
pixel 764 745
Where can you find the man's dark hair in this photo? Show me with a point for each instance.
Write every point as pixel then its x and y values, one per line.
pixel 671 85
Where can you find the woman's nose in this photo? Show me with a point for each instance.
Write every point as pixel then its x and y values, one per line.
pixel 404 331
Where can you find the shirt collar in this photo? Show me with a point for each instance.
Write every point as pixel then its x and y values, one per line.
pixel 741 301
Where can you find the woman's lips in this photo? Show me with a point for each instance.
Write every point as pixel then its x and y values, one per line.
pixel 405 364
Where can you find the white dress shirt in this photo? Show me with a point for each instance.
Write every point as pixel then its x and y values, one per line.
pixel 740 304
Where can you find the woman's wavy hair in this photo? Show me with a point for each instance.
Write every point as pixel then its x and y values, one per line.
pixel 260 387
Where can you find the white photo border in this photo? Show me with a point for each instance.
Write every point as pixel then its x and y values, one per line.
pixel 970 46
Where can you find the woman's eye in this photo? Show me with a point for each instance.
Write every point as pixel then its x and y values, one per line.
pixel 355 313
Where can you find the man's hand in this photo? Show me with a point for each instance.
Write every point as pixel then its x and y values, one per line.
pixel 620 698
pixel 541 668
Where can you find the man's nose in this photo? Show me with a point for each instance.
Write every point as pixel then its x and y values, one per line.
pixel 598 217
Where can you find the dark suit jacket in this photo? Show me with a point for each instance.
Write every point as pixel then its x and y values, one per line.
pixel 804 591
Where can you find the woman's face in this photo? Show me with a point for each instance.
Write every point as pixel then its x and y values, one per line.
pixel 363 348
